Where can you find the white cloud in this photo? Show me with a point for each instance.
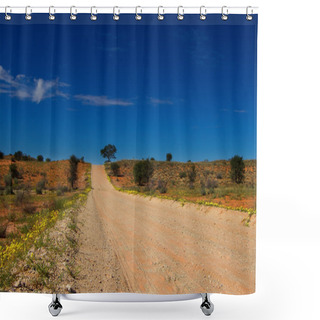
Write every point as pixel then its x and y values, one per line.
pixel 37 90
pixel 156 101
pixel 24 87
pixel 101 100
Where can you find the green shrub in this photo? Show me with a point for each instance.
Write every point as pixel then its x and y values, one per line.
pixel 73 175
pixel 192 174
pixel 182 174
pixel 142 172
pixel 21 197
pixel 237 169
pixel 115 168
pixel 8 184
pixel 219 175
pixel 169 157
pixel 13 171
pixel 48 160
pixel 162 186
pixel 40 186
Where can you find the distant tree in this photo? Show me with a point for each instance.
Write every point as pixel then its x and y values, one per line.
pixel 40 158
pixel 115 168
pixel 169 156
pixel 189 161
pixel 237 169
pixel 73 170
pixel 152 159
pixel 1 155
pixel 142 171
pixel 82 159
pixel 109 152
pixel 48 160
pixel 18 155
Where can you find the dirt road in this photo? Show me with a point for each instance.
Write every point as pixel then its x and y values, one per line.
pixel 150 245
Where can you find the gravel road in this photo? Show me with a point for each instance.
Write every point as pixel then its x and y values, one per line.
pixel 130 243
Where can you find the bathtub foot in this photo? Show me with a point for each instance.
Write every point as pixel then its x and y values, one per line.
pixel 55 306
pixel 206 305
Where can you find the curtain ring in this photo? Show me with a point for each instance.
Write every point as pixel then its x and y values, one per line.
pixel 180 13
pixel 28 13
pixel 138 16
pixel 224 13
pixel 203 13
pixel 6 15
pixel 73 14
pixel 116 15
pixel 160 15
pixel 93 17
pixel 249 16
pixel 52 11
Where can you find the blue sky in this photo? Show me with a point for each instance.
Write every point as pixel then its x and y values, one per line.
pixel 70 88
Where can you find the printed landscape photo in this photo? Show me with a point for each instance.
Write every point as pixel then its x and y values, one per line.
pixel 125 167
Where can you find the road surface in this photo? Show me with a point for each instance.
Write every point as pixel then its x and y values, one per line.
pixel 131 243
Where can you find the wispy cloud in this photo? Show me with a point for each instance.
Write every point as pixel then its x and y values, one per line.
pixel 240 111
pixel 38 90
pixel 34 89
pixel 101 100
pixel 156 101
pixel 233 110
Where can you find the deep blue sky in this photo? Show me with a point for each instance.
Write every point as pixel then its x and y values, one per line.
pixel 188 87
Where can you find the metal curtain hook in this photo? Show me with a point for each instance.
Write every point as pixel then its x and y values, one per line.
pixel 224 13
pixel 6 15
pixel 138 16
pixel 249 16
pixel 160 16
pixel 52 11
pixel 28 13
pixel 93 16
pixel 73 13
pixel 180 13
pixel 203 13
pixel 116 15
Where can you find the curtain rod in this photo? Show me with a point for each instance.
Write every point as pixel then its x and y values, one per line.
pixel 129 10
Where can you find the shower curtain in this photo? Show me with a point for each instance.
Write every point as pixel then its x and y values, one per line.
pixel 128 154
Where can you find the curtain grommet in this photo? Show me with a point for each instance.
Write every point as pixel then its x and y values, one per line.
pixel 93 16
pixel 116 16
pixel 73 14
pixel 180 13
pixel 249 15
pixel 28 13
pixel 138 17
pixel 203 13
pixel 160 15
pixel 224 13
pixel 7 10
pixel 52 11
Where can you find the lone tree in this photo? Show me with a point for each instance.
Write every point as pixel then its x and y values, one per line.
pixel 109 152
pixel 169 156
pixel 40 158
pixel 1 155
pixel 73 162
pixel 142 171
pixel 237 169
